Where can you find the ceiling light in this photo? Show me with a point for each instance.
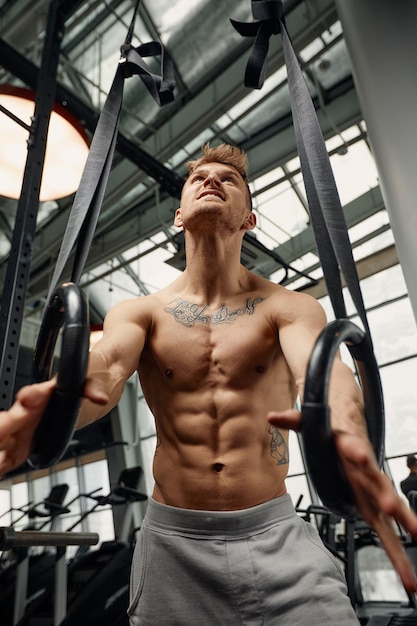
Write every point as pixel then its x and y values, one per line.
pixel 66 149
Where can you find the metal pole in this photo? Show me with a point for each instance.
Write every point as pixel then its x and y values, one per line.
pixel 61 586
pixel 9 538
pixel 18 267
pixel 381 39
pixel 21 589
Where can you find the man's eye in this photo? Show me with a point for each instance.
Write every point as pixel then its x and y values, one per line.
pixel 196 179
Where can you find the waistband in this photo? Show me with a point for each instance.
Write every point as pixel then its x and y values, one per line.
pixel 210 523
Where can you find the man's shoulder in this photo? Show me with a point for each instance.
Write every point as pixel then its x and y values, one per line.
pixel 288 298
pixel 287 306
pixel 410 481
pixel 134 309
pixel 145 306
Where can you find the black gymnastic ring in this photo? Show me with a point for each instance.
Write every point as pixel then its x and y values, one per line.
pixel 320 454
pixel 68 309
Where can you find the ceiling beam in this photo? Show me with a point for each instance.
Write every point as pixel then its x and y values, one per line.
pixel 372 264
pixel 355 212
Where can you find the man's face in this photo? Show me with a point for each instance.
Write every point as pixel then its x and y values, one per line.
pixel 215 195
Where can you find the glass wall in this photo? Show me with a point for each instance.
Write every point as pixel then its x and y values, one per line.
pixel 28 494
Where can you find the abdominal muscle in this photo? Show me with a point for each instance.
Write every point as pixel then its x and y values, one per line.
pixel 210 389
pixel 216 450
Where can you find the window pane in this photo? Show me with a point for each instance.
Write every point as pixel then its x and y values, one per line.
pixel 296 461
pixel 355 172
pixel 5 516
pixel 378 288
pixel 297 486
pixel 97 475
pixel 394 331
pixel 101 522
pixel 400 393
pixel 40 489
pixel 69 477
pixel 399 470
pixel 280 212
pixel 148 450
pixel 19 496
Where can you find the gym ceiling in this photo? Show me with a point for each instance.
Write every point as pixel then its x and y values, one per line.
pixel 211 104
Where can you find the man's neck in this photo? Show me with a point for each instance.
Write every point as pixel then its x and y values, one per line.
pixel 214 271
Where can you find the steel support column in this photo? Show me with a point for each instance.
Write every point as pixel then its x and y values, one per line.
pixel 381 38
pixel 18 267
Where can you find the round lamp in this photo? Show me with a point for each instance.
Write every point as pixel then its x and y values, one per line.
pixel 66 148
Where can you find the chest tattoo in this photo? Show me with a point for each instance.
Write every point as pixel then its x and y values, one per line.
pixel 189 313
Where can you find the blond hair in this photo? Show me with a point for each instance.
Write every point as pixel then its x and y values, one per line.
pixel 227 154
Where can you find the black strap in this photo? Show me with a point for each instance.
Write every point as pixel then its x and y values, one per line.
pixel 329 224
pixel 269 14
pixel 88 200
pixel 66 306
pixel 336 257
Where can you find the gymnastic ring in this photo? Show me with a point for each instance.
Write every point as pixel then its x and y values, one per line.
pixel 320 453
pixel 67 308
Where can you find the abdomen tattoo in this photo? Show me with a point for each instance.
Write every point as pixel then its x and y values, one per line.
pixel 278 446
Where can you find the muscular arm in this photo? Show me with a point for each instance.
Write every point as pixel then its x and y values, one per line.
pixel 375 497
pixel 111 363
pixel 298 331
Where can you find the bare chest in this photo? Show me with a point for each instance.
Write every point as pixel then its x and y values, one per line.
pixel 188 344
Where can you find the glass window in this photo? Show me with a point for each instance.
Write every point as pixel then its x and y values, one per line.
pixel 377 289
pixel 148 450
pixel 267 179
pixel 296 481
pixel 297 487
pixel 355 172
pixel 374 244
pixel 388 284
pixel 393 330
pixel 101 522
pixel 375 222
pixel 69 477
pixel 400 394
pixel 5 515
pixel 398 467
pixel 281 215
pixel 19 495
pixel 296 460
pixel 96 479
pixel 96 475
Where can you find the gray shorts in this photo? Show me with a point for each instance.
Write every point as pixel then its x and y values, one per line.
pixel 263 565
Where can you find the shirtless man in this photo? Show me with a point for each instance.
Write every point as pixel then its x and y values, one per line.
pixel 221 355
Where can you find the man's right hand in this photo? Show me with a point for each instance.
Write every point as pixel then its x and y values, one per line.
pixel 18 424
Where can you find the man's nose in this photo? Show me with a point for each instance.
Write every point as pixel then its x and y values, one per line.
pixel 211 179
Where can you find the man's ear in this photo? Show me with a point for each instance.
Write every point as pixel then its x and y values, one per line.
pixel 177 218
pixel 250 221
